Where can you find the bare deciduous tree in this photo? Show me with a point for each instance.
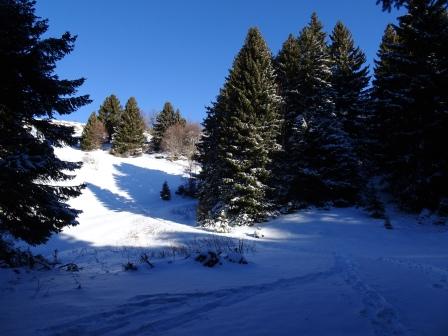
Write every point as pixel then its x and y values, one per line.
pixel 173 140
pixel 181 140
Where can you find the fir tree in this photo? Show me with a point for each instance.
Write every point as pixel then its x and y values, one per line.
pixel 287 68
pixel 211 176
pixel 165 193
pixel 166 118
pixel 240 137
pixel 349 80
pixel 93 134
pixel 129 138
pixel 110 114
pixel 320 152
pixel 32 208
pixel 378 127
pixel 411 102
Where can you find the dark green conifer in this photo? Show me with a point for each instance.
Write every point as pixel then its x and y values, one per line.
pixel 411 102
pixel 165 193
pixel 350 77
pixel 110 114
pixel 129 138
pixel 166 118
pixel 240 137
pixel 32 209
pixel 320 151
pixel 93 134
pixel 287 69
pixel 377 126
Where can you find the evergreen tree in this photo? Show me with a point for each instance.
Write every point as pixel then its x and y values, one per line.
pixel 349 80
pixel 377 127
pixel 411 102
pixel 93 134
pixel 166 118
pixel 31 207
pixel 211 175
pixel 287 68
pixel 129 138
pixel 110 114
pixel 320 152
pixel 165 193
pixel 240 137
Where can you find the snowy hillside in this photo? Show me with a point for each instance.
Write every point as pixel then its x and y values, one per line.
pixel 317 272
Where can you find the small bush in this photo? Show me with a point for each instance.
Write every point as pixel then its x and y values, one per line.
pixel 144 259
pixel 209 258
pixel 189 188
pixel 165 194
pixel 129 266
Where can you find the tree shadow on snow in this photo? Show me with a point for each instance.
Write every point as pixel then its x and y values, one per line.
pixel 143 186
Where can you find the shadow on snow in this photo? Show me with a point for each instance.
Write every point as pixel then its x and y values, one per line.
pixel 143 186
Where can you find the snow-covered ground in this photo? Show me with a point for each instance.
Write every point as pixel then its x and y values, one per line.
pixel 317 272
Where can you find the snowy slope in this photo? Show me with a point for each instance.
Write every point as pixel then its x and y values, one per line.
pixel 333 272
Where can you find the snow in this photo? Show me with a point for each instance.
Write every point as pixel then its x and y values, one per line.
pixel 316 272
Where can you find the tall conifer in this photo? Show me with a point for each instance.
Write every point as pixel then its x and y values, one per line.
pixel 320 151
pixel 411 102
pixel 240 137
pixel 287 70
pixel 110 114
pixel 129 138
pixel 349 80
pixel 31 208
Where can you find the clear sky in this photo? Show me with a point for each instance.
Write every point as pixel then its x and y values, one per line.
pixel 179 50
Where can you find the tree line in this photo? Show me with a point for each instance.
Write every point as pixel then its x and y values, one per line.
pixel 127 130
pixel 304 127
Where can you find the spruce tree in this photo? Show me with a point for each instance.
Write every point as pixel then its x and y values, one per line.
pixel 165 193
pixel 287 68
pixel 411 106
pixel 110 114
pixel 211 176
pixel 33 206
pixel 325 168
pixel 349 80
pixel 129 138
pixel 93 134
pixel 166 118
pixel 240 138
pixel 379 127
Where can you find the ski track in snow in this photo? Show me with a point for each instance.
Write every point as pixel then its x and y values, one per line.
pixel 143 314
pixel 382 314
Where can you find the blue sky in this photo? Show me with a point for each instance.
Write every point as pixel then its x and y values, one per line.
pixel 180 51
